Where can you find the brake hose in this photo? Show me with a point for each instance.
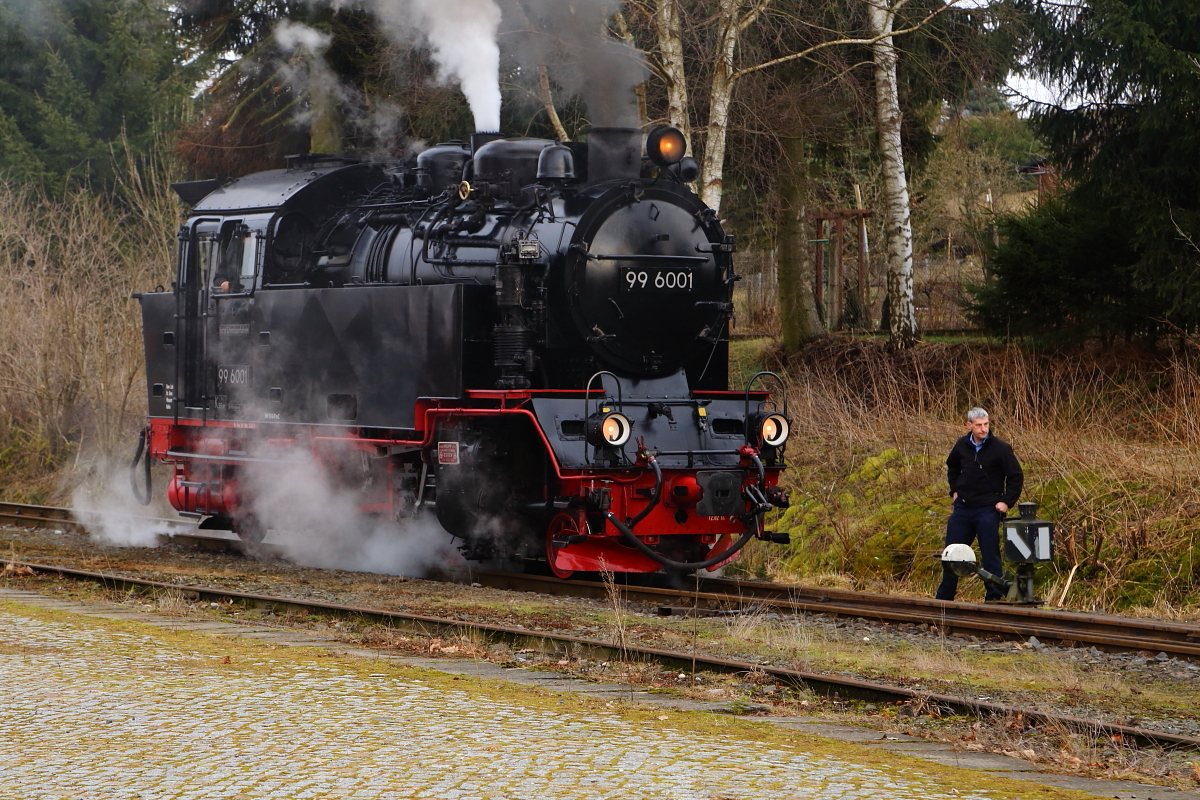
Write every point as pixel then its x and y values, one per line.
pixel 658 481
pixel 673 564
pixel 143 498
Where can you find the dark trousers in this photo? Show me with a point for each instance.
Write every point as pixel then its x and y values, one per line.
pixel 966 525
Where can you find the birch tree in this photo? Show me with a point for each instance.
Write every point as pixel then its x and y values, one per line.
pixel 733 18
pixel 881 18
pixel 668 29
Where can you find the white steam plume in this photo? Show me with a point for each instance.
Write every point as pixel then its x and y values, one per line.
pixel 311 521
pixel 317 523
pixel 292 36
pixel 104 503
pixel 463 37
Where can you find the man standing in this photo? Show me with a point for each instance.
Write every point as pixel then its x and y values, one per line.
pixel 985 481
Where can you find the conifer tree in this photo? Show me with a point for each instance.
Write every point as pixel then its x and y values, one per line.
pixel 80 78
pixel 1128 147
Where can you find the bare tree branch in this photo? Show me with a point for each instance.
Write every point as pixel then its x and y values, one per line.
pixel 868 41
pixel 752 15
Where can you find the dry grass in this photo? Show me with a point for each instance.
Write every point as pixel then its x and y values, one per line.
pixel 172 603
pixel 1106 438
pixel 749 625
pixel 756 297
pixel 1164 609
pixel 70 336
pixel 1077 750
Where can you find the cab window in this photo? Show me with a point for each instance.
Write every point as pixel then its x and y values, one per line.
pixel 249 248
pixel 234 258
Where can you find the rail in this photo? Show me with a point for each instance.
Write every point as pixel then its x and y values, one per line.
pixel 1106 632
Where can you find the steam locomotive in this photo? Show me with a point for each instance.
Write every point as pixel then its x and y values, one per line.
pixel 528 338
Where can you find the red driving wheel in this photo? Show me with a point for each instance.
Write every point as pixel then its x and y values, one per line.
pixel 561 527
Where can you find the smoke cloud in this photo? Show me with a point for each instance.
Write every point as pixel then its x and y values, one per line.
pixel 462 34
pixel 295 36
pixel 311 520
pixel 33 17
pixel 568 37
pixel 332 102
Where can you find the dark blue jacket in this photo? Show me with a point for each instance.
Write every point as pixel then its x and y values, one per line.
pixel 984 478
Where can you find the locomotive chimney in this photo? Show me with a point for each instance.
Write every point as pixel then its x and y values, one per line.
pixel 614 154
pixel 478 140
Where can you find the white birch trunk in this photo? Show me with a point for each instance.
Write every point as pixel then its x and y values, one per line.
pixel 731 23
pixel 712 170
pixel 897 223
pixel 669 30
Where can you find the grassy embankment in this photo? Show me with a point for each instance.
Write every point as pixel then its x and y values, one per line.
pixel 1107 442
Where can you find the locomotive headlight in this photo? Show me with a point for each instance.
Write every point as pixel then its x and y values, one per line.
pixel 666 146
pixel 609 429
pixel 771 428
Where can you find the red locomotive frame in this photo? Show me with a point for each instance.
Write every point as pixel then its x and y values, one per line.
pixel 208 454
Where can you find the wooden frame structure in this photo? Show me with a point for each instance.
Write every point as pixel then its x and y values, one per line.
pixel 833 302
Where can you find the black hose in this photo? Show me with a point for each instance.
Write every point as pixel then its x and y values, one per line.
pixel 145 497
pixel 654 497
pixel 667 562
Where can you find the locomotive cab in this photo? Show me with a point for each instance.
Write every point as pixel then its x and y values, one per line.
pixel 527 338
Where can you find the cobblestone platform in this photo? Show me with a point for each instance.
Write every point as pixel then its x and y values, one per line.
pixel 95 710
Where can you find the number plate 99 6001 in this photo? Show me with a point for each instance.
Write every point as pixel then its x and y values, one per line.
pixel 655 279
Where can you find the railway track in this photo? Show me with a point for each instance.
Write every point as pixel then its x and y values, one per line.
pixel 548 642
pixel 178 531
pixel 714 595
pixel 1104 631
pixel 37 516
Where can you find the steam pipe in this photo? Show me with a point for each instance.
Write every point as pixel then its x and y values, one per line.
pixel 480 138
pixel 762 473
pixel 143 499
pixel 627 531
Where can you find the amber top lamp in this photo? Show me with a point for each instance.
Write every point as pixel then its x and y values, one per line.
pixel 665 146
